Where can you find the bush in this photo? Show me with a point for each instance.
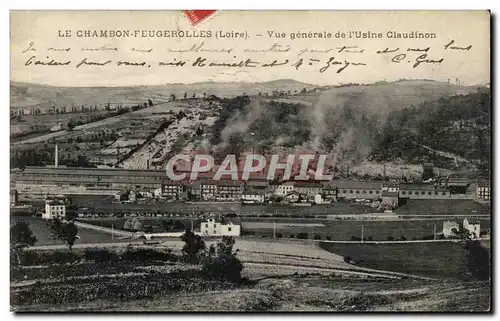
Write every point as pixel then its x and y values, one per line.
pixel 100 255
pixel 224 267
pixel 142 255
pixel 355 238
pixel 279 235
pixel 370 238
pixel 317 237
pixel 347 259
pixel 403 238
pixel 49 257
pixel 220 263
pixel 302 236
pixel 390 238
pixel 291 236
pixel 478 260
pixel 328 238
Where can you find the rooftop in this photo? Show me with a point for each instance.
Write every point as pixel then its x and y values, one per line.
pixel 357 184
pixel 473 221
pixel 419 187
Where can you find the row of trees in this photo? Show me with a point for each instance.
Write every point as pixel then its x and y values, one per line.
pixel 22 237
pixel 219 262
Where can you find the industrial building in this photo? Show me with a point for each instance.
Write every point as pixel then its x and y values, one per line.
pixel 358 189
pixel 423 191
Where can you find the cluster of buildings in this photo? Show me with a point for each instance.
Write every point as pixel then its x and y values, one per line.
pixel 255 190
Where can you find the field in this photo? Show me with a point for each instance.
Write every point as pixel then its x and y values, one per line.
pixel 435 259
pixel 344 230
pixel 45 237
pixel 425 207
pixel 289 283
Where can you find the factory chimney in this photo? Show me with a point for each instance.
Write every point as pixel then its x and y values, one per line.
pixel 56 156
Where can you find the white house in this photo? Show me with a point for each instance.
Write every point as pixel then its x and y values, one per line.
pixel 284 189
pixel 448 227
pixel 252 198
pixel 54 208
pixel 483 192
pixel 212 227
pixel 473 226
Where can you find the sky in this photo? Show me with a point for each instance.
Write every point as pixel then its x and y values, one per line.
pixel 260 29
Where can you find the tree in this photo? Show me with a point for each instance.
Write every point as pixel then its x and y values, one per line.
pixel 478 260
pixel 185 95
pixel 21 237
pixel 71 124
pixel 64 231
pixel 193 247
pixel 173 97
pixel 150 102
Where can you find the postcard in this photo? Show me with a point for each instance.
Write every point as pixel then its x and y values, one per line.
pixel 212 160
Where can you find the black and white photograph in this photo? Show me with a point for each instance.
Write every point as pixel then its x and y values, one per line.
pixel 250 161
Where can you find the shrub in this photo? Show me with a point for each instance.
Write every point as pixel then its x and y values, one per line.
pixel 478 260
pixel 390 238
pixel 221 263
pixel 223 268
pixel 347 259
pixel 328 238
pixel 142 255
pixel 48 257
pixel 370 238
pixel 355 238
pixel 403 238
pixel 291 236
pixel 279 235
pixel 100 255
pixel 317 237
pixel 302 236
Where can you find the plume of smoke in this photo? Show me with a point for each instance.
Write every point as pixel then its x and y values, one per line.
pixel 241 122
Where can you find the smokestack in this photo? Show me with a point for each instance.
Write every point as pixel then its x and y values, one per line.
pixel 56 156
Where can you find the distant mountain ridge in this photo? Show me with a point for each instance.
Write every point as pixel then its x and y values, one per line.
pixel 25 95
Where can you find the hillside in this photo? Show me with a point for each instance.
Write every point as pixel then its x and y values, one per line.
pixel 42 96
pixel 453 131
pixel 344 121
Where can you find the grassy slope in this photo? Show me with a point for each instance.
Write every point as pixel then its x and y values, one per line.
pixel 424 207
pixel 443 259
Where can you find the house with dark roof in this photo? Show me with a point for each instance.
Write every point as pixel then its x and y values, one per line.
pixel 308 188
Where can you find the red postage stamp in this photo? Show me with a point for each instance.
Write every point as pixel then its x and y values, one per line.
pixel 197 16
